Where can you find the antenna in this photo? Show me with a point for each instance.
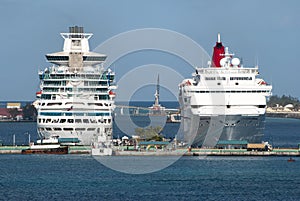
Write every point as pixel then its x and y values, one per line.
pixel 256 60
pixel 157 87
pixel 156 102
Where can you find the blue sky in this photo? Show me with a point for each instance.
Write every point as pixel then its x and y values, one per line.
pixel 264 32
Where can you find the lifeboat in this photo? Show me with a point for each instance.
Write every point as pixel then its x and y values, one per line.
pixel 38 94
pixel 112 94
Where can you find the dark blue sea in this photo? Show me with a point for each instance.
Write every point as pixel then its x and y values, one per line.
pixel 81 177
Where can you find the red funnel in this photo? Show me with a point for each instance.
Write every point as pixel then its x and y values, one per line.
pixel 218 53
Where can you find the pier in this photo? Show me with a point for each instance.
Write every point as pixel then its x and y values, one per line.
pixel 291 152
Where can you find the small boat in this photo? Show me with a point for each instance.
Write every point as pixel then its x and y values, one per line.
pixel 291 160
pixel 46 150
pixel 46 146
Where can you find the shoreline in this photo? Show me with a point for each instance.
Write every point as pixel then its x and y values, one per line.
pixel 292 115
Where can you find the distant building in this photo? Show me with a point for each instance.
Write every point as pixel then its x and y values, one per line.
pixel 4 114
pixel 288 107
pixel 8 114
pixel 13 105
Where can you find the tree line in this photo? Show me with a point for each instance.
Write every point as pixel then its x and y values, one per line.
pixel 283 101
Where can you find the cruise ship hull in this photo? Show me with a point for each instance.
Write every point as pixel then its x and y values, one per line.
pixel 206 131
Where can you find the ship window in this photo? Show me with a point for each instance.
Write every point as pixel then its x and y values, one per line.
pixel 76 42
pixel 45 96
pixel 219 83
pixel 79 129
pixel 77 120
pixel 91 129
pixel 79 114
pixel 57 58
pixel 48 129
pixel 210 78
pixel 57 129
pixel 236 83
pixel 261 106
pixel 51 104
pixel 68 129
pixel 103 97
pixel 85 121
pixel 70 120
pixel 93 58
pixel 62 121
pixel 240 78
pixel 221 78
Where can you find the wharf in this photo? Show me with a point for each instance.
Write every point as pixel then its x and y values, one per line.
pixel 243 152
pixel 211 152
pixel 12 149
pixel 295 152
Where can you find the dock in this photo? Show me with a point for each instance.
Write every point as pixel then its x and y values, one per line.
pixel 291 152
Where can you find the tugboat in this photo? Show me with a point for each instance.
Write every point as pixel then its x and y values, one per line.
pixel 47 146
pixel 291 160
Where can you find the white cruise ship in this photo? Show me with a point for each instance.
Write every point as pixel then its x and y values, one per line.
pixel 76 98
pixel 224 101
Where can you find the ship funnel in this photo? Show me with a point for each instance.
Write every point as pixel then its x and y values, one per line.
pixel 76 29
pixel 219 38
pixel 218 53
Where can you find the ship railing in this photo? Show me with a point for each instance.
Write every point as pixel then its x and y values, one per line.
pixel 228 70
pixel 85 76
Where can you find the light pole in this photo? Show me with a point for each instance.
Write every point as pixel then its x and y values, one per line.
pixel 14 139
pixel 27 133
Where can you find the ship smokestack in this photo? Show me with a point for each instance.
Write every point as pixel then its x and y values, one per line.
pixel 218 53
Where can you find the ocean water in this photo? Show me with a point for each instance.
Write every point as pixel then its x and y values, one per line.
pixel 81 177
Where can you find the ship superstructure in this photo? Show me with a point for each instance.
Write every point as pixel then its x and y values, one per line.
pixel 76 98
pixel 224 101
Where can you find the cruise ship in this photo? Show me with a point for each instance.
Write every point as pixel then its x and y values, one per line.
pixel 75 101
pixel 224 101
